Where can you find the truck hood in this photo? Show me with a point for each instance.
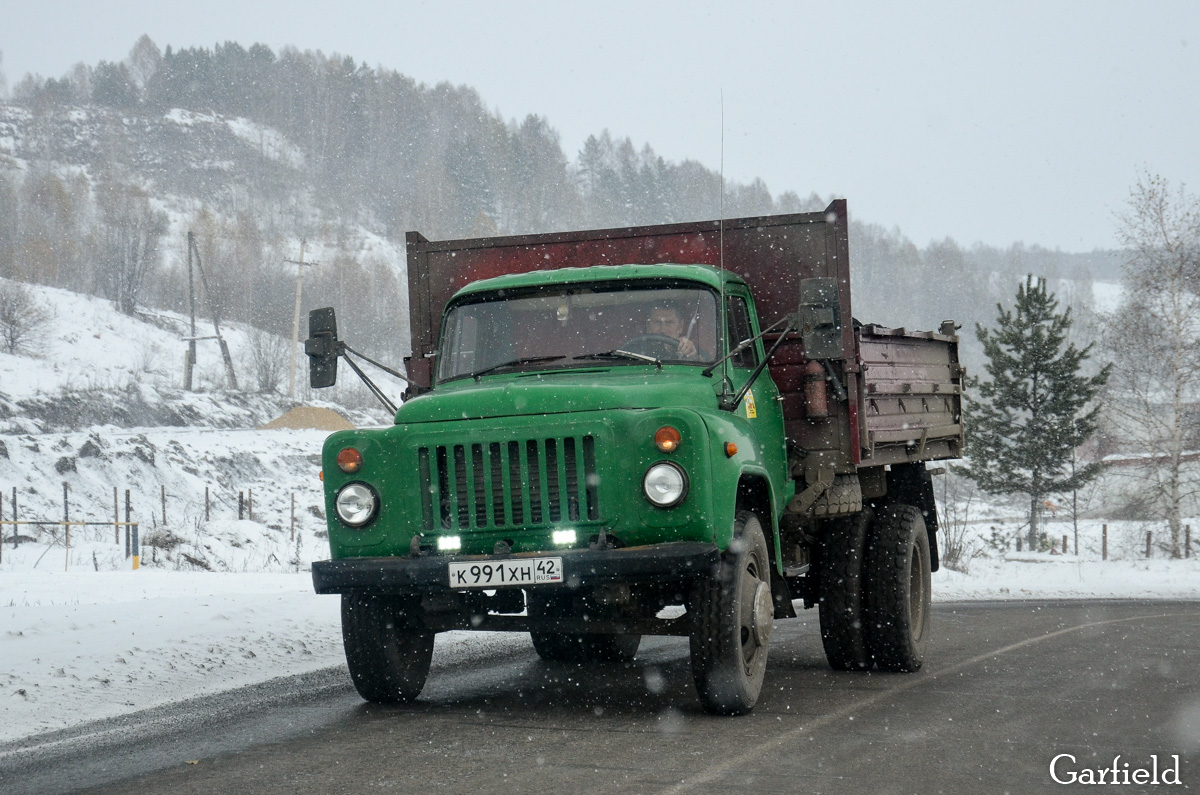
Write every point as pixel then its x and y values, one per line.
pixel 557 392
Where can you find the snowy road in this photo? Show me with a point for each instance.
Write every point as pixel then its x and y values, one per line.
pixel 1009 686
pixel 80 646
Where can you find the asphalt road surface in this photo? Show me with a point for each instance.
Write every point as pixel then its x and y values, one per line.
pixel 1006 688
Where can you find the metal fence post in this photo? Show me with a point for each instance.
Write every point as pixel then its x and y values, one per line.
pixel 1104 543
pixel 1064 546
pixel 206 503
pixel 116 518
pixel 1187 540
pixel 128 540
pixel 136 552
pixel 67 528
pixel 241 505
pixel 294 516
pixel 164 504
pixel 1148 537
pixel 250 503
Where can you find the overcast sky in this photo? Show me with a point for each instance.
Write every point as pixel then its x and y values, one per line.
pixel 992 122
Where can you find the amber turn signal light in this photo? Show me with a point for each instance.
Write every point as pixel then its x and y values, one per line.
pixel 349 460
pixel 730 449
pixel 667 439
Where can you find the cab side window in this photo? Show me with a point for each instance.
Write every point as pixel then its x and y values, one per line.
pixel 739 330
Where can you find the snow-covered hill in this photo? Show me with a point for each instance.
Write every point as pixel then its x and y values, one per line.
pixel 101 407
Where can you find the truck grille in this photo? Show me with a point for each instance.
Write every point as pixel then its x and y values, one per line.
pixel 522 483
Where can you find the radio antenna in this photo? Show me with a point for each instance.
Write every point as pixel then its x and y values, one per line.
pixel 721 221
pixel 721 259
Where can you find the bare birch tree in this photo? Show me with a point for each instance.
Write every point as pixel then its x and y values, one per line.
pixel 1154 341
pixel 131 229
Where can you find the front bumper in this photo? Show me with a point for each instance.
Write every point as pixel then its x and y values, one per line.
pixel 661 563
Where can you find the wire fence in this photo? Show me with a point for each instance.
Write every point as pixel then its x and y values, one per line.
pixel 61 529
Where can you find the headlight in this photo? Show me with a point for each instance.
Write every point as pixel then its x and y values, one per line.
pixel 356 504
pixel 665 485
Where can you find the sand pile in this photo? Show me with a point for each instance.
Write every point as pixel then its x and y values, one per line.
pixel 309 417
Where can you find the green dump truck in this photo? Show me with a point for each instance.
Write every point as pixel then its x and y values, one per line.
pixel 661 430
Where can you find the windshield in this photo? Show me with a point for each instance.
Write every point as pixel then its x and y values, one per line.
pixel 565 326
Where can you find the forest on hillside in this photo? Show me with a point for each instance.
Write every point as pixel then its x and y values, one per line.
pixel 102 169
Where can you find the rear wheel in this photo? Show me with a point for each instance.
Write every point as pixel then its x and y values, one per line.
pixel 732 616
pixel 843 624
pixel 388 650
pixel 898 593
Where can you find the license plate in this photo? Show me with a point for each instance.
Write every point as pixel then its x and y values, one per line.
pixel 500 573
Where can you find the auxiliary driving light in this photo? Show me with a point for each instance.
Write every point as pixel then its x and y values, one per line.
pixel 349 460
pixel 665 485
pixel 449 543
pixel 667 439
pixel 356 504
pixel 563 538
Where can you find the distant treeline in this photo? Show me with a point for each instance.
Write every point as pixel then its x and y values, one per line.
pixel 379 151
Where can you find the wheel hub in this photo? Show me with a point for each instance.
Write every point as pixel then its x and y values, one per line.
pixel 763 619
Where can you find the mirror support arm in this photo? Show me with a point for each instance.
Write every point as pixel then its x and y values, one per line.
pixel 375 390
pixel 347 349
pixel 744 344
pixel 731 404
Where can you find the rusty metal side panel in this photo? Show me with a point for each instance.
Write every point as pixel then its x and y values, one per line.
pixel 419 367
pixel 911 396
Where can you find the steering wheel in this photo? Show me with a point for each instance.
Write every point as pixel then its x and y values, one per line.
pixel 660 346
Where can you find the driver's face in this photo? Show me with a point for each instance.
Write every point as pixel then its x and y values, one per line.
pixel 665 321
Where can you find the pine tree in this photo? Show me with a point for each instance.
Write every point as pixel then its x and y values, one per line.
pixel 1036 407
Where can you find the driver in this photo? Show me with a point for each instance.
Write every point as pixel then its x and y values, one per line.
pixel 666 320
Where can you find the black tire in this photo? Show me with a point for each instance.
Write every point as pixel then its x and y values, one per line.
pixel 387 649
pixel 583 647
pixel 732 616
pixel 843 623
pixel 898 589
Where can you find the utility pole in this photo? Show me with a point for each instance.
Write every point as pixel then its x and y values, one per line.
pixel 212 308
pixel 189 364
pixel 300 264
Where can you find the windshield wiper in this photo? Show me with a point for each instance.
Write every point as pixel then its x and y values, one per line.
pixel 516 362
pixel 617 353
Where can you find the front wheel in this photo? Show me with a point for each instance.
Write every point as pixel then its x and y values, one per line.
pixel 898 589
pixel 732 616
pixel 388 650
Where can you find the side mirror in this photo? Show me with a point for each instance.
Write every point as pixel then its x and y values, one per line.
pixel 322 348
pixel 820 318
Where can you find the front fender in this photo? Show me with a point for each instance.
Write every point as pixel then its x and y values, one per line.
pixel 752 459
